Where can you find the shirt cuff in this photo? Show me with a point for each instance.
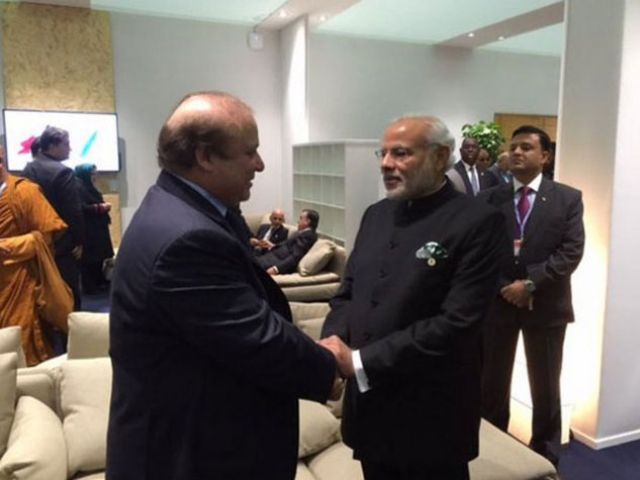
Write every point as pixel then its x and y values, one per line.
pixel 361 375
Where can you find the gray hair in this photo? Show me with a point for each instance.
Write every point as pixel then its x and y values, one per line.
pixel 437 133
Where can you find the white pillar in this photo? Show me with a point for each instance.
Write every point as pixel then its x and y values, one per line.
pixel 598 153
pixel 295 122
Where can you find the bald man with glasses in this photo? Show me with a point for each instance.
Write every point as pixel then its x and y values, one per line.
pixel 406 323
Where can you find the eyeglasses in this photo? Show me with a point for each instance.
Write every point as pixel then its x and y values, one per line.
pixel 400 154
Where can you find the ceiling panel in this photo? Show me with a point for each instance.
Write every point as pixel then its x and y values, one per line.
pixel 227 11
pixel 545 41
pixel 425 21
pixel 418 21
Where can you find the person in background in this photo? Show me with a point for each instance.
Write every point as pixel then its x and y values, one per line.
pixel 544 221
pixel 484 160
pixel 207 364
pixel 58 183
pixel 285 257
pixel 97 240
pixel 270 234
pixel 474 175
pixel 500 169
pixel 406 324
pixel 32 293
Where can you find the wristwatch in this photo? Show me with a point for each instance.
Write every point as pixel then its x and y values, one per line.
pixel 529 285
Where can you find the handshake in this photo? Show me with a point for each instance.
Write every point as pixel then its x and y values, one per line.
pixel 344 361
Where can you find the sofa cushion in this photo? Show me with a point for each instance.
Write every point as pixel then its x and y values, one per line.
pixel 311 326
pixel 11 341
pixel 318 428
pixel 88 335
pixel 38 383
pixel 336 463
pixel 8 367
pixel 504 458
pixel 85 393
pixel 36 449
pixel 297 280
pixel 316 258
pixel 303 473
pixel 302 310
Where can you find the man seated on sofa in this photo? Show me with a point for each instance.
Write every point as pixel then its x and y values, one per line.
pixel 284 258
pixel 270 234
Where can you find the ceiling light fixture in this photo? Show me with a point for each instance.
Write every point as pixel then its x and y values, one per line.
pixel 283 13
pixel 501 37
pixel 471 34
pixel 323 18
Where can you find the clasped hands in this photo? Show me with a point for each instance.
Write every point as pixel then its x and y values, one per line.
pixel 344 360
pixel 516 293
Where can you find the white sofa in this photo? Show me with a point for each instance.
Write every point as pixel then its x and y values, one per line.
pixel 53 418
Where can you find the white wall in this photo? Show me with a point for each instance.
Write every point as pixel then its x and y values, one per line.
pixel 598 153
pixel 356 86
pixel 159 60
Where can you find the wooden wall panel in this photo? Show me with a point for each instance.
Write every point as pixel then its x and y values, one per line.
pixel 510 121
pixel 57 58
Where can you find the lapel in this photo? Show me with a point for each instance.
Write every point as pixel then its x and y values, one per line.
pixel 462 170
pixel 540 210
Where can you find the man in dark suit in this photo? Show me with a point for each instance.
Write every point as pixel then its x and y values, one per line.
pixel 544 219
pixel 475 176
pixel 416 289
pixel 270 234
pixel 285 257
pixel 207 366
pixel 58 183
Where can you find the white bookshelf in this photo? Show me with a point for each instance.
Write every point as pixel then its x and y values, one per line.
pixel 340 180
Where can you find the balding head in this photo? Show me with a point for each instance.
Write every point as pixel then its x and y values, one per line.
pixel 210 121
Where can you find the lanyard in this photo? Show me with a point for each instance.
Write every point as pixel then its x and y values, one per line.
pixel 522 222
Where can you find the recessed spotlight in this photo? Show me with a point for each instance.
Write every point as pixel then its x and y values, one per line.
pixel 501 37
pixel 471 34
pixel 283 14
pixel 323 18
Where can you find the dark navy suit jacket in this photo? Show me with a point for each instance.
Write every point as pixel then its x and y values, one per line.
pixel 551 250
pixel 485 178
pixel 207 367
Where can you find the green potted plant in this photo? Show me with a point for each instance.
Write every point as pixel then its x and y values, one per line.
pixel 488 135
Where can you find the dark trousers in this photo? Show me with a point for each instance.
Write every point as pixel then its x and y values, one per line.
pixel 70 273
pixel 377 471
pixel 543 350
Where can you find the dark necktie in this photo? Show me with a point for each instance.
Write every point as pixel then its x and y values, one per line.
pixel 523 209
pixel 239 226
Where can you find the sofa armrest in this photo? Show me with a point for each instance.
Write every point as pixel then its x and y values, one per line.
pixel 36 449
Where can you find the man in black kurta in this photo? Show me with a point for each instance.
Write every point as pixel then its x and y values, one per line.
pixel 417 287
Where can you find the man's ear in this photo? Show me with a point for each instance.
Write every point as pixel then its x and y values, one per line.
pixel 442 154
pixel 205 160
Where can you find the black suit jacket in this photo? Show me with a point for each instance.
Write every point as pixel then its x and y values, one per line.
pixel 551 250
pixel 279 235
pixel 58 183
pixel 485 179
pixel 418 327
pixel 207 367
pixel 287 255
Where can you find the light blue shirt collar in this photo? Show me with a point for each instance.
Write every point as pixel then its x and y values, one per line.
pixel 210 198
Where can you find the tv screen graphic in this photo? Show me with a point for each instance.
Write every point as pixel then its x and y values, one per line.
pixel 93 137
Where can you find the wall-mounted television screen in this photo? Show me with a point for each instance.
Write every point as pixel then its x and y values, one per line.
pixel 93 137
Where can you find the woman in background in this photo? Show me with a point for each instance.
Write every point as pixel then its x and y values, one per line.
pixel 97 243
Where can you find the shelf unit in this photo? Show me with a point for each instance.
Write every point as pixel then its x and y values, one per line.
pixel 339 179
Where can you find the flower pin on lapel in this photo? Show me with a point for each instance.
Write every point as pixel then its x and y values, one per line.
pixel 432 252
